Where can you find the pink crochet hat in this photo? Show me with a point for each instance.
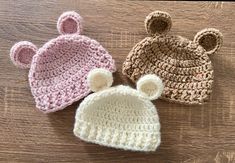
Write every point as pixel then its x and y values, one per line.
pixel 58 70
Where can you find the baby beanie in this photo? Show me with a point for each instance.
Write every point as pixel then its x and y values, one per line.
pixel 58 70
pixel 182 64
pixel 120 117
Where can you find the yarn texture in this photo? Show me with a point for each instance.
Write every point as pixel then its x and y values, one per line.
pixel 119 117
pixel 182 64
pixel 58 70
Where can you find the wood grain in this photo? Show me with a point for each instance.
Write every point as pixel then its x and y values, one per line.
pixel 190 134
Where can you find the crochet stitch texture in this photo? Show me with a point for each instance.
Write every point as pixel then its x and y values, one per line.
pixel 58 70
pixel 182 64
pixel 120 117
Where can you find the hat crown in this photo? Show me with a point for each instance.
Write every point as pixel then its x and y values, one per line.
pixel 183 64
pixel 119 117
pixel 58 70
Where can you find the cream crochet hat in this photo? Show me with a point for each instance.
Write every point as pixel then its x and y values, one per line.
pixel 120 117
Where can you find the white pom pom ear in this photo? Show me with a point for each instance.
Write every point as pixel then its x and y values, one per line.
pixel 151 85
pixel 158 22
pixel 99 79
pixel 22 53
pixel 210 39
pixel 69 22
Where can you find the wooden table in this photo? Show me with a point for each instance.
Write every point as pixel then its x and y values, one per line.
pixel 202 134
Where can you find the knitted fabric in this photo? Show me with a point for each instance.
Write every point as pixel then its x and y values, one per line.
pixel 58 70
pixel 182 64
pixel 120 117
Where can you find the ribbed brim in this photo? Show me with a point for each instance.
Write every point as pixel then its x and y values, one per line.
pixel 135 141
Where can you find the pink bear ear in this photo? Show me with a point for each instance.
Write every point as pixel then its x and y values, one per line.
pixel 69 22
pixel 22 53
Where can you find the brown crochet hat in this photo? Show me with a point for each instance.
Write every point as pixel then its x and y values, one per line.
pixel 182 64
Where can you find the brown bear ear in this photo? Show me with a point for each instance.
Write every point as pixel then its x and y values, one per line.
pixel 158 22
pixel 69 22
pixel 22 53
pixel 210 39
